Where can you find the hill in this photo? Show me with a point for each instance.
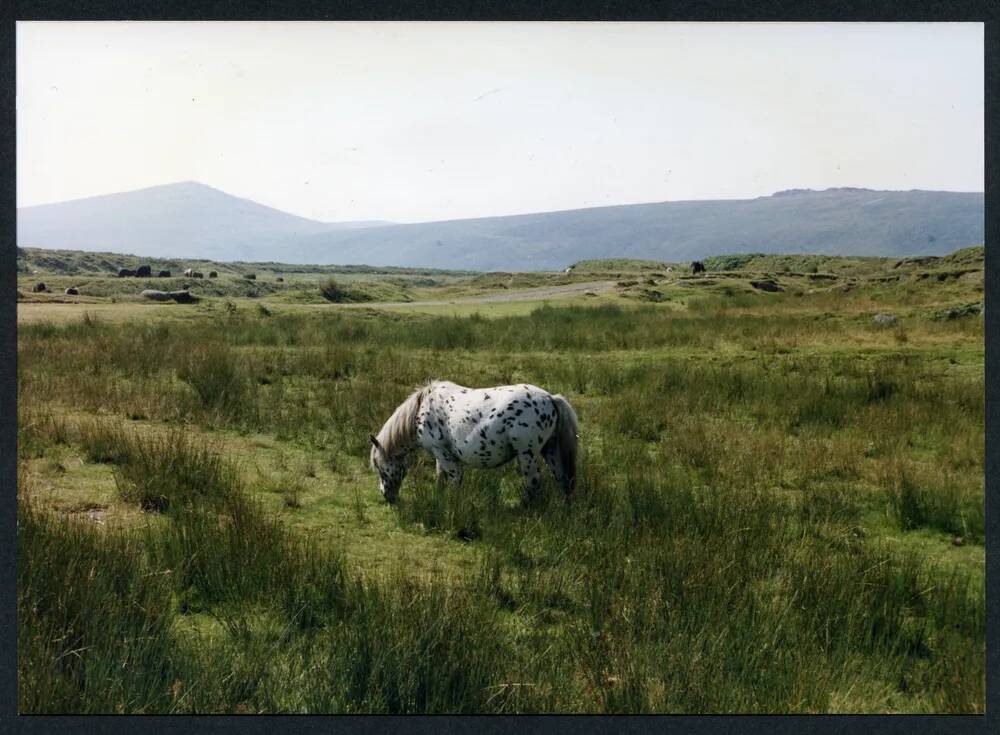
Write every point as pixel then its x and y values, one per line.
pixel 186 219
pixel 195 220
pixel 40 261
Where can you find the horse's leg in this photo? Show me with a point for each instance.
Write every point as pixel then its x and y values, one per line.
pixel 531 469
pixel 445 469
pixel 551 454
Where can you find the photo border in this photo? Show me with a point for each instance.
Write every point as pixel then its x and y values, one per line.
pixel 762 10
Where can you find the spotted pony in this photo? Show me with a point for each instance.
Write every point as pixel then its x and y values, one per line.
pixel 479 427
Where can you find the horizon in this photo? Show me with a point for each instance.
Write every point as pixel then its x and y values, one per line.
pixel 338 122
pixel 387 223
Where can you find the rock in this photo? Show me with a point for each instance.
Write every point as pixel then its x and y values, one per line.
pixel 766 285
pixel 958 541
pixel 154 295
pixel 885 320
pixel 181 297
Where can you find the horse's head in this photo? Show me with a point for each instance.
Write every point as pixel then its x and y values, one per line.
pixel 391 470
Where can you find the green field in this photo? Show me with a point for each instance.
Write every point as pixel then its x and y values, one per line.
pixel 780 504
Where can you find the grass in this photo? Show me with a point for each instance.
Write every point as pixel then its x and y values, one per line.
pixel 780 509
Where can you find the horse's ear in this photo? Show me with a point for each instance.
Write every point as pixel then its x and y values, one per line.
pixel 375 442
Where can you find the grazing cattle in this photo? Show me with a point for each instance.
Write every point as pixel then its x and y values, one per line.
pixel 697 267
pixel 39 288
pixel 71 292
pixel 279 279
pixel 163 274
pixel 125 273
pixel 568 271
pixel 188 272
pixel 143 271
pixel 213 274
pixel 484 427
pixel 250 276
pixel 197 274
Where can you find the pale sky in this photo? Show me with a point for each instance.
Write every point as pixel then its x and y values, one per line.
pixel 424 121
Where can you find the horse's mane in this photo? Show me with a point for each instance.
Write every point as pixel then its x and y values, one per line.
pixel 401 428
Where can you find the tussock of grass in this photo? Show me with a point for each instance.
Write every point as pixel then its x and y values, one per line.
pixel 934 500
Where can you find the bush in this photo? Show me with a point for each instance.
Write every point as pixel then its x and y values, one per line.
pixel 332 290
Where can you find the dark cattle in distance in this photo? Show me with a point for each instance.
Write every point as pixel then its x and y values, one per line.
pixel 71 292
pixel 39 288
pixel 197 274
pixel 697 267
pixel 250 276
pixel 143 271
pixel 279 279
pixel 163 274
pixel 125 273
pixel 213 274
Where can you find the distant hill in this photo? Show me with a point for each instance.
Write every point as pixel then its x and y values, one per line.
pixel 197 221
pixel 187 219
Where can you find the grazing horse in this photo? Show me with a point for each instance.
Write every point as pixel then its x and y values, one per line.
pixel 484 427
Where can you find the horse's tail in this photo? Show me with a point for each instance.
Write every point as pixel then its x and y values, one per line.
pixel 568 430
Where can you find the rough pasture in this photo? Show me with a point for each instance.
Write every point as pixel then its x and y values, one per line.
pixel 779 505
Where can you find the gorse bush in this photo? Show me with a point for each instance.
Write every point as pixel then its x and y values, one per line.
pixel 332 290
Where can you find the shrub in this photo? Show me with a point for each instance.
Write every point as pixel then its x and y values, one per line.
pixel 332 290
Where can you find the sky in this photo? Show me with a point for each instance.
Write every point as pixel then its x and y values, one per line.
pixel 412 122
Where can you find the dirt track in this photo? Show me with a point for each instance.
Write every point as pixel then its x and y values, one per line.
pixel 62 310
pixel 527 294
